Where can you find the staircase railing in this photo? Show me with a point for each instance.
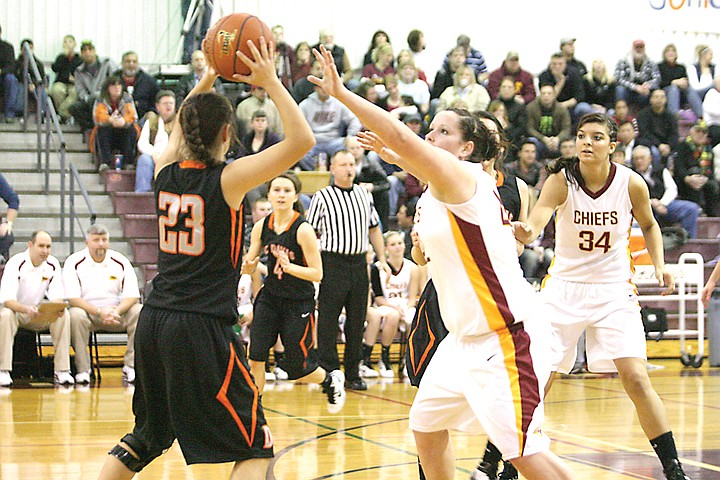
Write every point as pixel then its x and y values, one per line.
pixel 35 84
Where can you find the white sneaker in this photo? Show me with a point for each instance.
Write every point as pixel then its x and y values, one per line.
pixel 82 378
pixel 64 378
pixel 5 378
pixel 385 370
pixel 368 372
pixel 335 391
pixel 128 374
pixel 280 374
pixel 270 377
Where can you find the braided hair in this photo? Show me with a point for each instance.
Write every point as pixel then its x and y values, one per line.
pixel 202 117
pixel 572 165
pixel 487 145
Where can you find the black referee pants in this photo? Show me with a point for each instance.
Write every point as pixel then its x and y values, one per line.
pixel 345 283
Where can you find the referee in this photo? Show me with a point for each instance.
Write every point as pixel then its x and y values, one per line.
pixel 345 219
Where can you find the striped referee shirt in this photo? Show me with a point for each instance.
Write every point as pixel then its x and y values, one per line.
pixel 343 218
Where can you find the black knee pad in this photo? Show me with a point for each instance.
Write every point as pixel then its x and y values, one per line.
pixel 128 459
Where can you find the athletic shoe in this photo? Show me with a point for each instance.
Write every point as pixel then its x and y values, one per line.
pixel 509 472
pixel 64 378
pixel 333 388
pixel 128 374
pixel 5 378
pixel 675 472
pixel 358 384
pixel 280 374
pixel 367 371
pixel 82 378
pixel 385 370
pixel 484 471
pixel 270 377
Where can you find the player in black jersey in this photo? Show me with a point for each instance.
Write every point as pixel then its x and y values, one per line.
pixel 193 382
pixel 285 305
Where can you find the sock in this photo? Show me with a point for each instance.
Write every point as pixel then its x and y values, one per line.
pixel 664 447
pixel 367 353
pixel 386 355
pixel 421 474
pixel 492 455
pixel 279 357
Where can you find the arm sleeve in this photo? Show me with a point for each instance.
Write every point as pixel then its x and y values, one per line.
pixel 375 282
pixel 8 194
pixel 671 190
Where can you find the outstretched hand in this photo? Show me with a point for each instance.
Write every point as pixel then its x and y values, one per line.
pixel 331 81
pixel 262 65
pixel 370 141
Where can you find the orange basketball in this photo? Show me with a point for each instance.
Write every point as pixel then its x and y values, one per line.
pixel 229 35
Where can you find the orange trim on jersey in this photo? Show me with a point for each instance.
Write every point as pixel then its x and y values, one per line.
pixel 500 179
pixel 431 341
pixel 308 331
pixel 271 222
pixel 235 235
pixel 192 164
pixel 225 401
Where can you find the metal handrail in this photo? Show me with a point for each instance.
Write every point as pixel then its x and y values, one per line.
pixel 52 121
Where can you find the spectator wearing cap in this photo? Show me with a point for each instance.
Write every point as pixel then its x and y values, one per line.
pixel 89 79
pixel 637 76
pixel 694 171
pixel 258 100
pixel 567 47
pixel 523 80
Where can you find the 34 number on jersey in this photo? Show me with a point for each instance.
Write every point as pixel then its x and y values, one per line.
pixel 588 242
pixel 190 239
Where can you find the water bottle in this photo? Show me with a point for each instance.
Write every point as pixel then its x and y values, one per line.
pixel 118 161
pixel 322 162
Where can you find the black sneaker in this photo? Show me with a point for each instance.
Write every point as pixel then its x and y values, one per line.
pixel 485 471
pixel 509 472
pixel 357 384
pixel 675 472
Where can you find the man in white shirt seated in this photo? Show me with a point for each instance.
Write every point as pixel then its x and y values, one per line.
pixel 154 138
pixel 30 278
pixel 102 289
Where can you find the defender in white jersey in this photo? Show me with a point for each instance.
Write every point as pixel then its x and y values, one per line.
pixel 487 371
pixel 589 284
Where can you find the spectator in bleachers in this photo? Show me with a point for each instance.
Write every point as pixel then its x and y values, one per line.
pixel 89 79
pixel 8 80
pixel 102 289
pixel 154 138
pixel 20 101
pixel 527 167
pixel 258 100
pixel 368 90
pixel 409 84
pixel 694 171
pixel 516 129
pixel 30 278
pixel 284 57
pixel 599 87
pixel 116 124
pixel 674 80
pixel 702 73
pixel 622 114
pixel 405 56
pixel 637 76
pixel 188 82
pixel 63 89
pixel 371 176
pixel 465 92
pixel 381 65
pixel 498 110
pixel 473 58
pixel 405 222
pixel 330 121
pixel 417 45
pixel 7 238
pixel 657 125
pixel 567 47
pixel 380 37
pixel 568 85
pixel 394 101
pixel 142 87
pixel 627 140
pixel 395 296
pixel 303 87
pixel 340 56
pixel 522 79
pixel 567 148
pixel 711 112
pixel 666 207
pixel 259 136
pixel 444 76
pixel 548 122
pixel 300 68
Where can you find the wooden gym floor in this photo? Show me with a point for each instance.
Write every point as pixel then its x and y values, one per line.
pixel 57 433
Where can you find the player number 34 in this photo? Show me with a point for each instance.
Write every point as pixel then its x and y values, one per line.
pixel 190 239
pixel 588 242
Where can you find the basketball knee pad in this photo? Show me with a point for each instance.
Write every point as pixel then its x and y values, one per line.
pixel 135 464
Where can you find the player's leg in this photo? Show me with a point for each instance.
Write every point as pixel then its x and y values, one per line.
pixel 542 465
pixel 436 454
pixel 253 469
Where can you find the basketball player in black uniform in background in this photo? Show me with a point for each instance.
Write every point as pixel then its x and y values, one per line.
pixel 193 382
pixel 285 305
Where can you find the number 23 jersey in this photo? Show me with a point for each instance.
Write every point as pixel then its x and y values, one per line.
pixel 592 231
pixel 200 242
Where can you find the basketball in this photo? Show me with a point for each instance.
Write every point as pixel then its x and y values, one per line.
pixel 229 35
